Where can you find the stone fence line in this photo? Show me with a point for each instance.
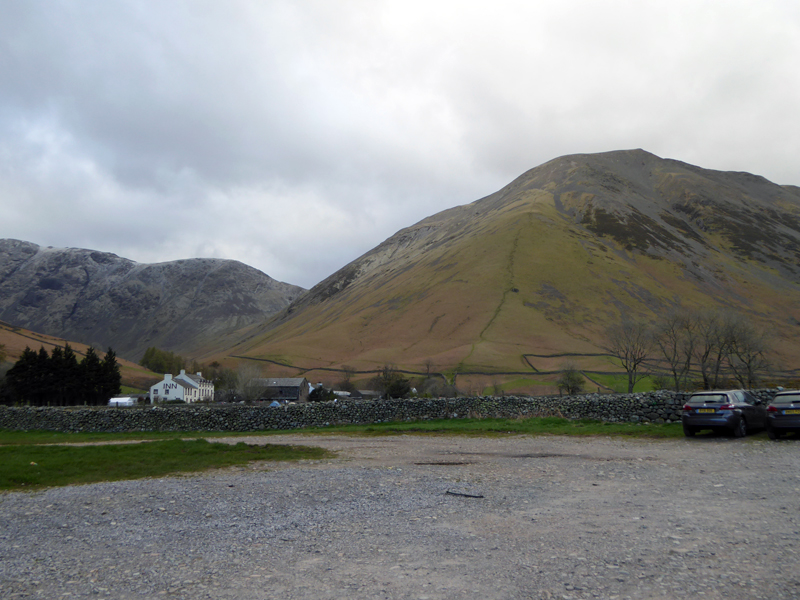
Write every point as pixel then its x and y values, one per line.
pixel 649 407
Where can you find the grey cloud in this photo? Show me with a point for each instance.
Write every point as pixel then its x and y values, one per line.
pixel 295 136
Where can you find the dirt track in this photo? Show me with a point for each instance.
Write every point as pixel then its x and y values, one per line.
pixel 428 517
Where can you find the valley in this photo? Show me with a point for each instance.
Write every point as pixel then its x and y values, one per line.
pixel 499 293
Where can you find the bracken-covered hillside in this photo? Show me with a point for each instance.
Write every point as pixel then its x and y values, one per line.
pixel 544 265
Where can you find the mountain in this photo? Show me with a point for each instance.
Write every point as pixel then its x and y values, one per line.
pixel 544 265
pixel 98 298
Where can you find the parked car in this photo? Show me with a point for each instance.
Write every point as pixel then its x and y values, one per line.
pixel 122 401
pixel 734 411
pixel 783 414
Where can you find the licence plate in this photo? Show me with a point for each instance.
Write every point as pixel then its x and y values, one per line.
pixel 793 411
pixel 713 410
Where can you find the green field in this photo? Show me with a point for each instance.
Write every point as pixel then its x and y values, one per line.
pixel 20 438
pixel 30 466
pixel 523 426
pixel 36 459
pixel 619 382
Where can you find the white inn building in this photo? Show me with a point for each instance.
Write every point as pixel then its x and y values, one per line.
pixel 185 386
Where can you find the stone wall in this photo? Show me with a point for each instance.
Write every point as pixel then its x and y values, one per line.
pixel 655 407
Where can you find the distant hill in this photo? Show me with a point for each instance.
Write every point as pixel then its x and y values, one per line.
pixel 16 339
pixel 98 298
pixel 546 263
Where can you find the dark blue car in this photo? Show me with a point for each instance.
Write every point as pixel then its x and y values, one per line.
pixel 731 411
pixel 783 414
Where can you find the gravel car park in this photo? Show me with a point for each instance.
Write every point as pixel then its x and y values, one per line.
pixel 427 517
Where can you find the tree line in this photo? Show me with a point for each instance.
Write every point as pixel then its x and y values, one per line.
pixel 692 348
pixel 59 379
pixel 162 361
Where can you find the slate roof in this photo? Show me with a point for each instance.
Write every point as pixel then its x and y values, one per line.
pixel 281 381
pixel 193 377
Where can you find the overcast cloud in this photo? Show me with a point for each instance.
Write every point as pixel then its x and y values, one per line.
pixel 296 135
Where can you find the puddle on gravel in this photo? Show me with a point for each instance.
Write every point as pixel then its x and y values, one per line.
pixel 443 463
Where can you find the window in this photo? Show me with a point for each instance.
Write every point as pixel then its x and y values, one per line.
pixel 713 398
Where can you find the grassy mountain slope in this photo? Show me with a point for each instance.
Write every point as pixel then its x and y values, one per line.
pixel 545 264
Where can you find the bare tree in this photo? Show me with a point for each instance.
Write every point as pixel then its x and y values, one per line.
pixel 250 384
pixel 661 381
pixel 437 387
pixel 346 384
pixel 631 343
pixel 747 353
pixel 428 367
pixel 720 343
pixel 675 336
pixel 715 334
pixel 497 388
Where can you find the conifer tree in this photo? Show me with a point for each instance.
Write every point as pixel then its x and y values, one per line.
pixel 111 380
pixel 42 380
pixel 20 377
pixel 59 379
pixel 91 375
pixel 71 376
pixel 57 372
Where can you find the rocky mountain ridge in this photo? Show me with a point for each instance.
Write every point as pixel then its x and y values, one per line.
pixel 102 299
pixel 660 207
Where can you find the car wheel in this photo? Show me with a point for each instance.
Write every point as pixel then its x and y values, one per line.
pixel 741 429
pixel 689 431
pixel 772 434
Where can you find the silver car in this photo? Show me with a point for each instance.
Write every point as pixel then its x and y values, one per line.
pixel 733 411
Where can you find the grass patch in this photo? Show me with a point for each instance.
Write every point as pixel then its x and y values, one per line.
pixel 518 384
pixel 619 383
pixel 25 467
pixel 550 425
pixel 527 426
pixel 126 389
pixel 21 438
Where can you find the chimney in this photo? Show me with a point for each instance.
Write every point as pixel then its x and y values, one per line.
pixel 168 377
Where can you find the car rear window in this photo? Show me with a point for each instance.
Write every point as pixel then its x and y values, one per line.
pixel 788 398
pixel 709 398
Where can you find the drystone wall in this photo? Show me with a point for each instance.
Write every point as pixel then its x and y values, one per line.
pixel 655 407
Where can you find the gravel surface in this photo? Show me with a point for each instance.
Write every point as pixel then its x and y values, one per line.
pixel 427 517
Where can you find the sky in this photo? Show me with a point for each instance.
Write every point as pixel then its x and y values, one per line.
pixel 296 135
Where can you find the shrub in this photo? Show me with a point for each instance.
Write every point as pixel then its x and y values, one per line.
pixel 571 380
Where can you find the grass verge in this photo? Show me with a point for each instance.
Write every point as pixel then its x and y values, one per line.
pixel 25 467
pixel 527 426
pixel 619 383
pixel 18 438
pixel 479 426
